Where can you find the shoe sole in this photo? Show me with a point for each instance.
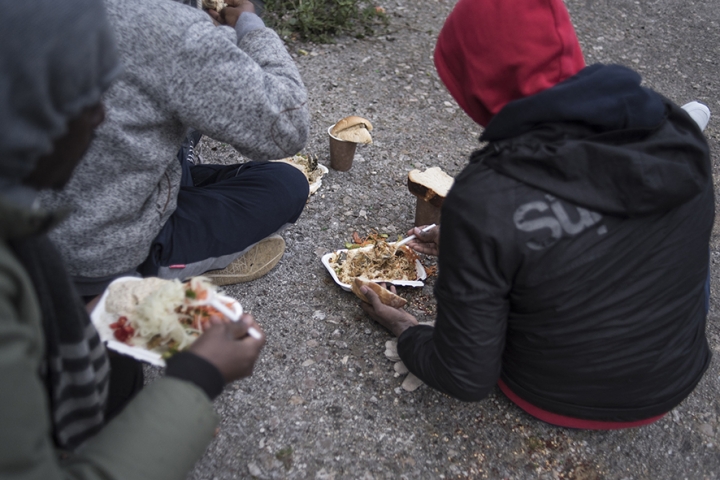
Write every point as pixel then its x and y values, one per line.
pixel 266 254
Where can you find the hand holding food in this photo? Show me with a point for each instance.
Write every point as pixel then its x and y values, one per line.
pixel 231 13
pixel 394 319
pixel 425 242
pixel 227 13
pixel 386 296
pixel 216 5
pixel 230 348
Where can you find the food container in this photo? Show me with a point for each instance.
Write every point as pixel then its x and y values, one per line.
pixel 341 152
pixel 102 319
pixel 426 213
pixel 421 273
pixel 317 183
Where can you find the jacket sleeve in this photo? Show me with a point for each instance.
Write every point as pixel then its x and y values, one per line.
pixel 247 93
pixel 160 434
pixel 462 355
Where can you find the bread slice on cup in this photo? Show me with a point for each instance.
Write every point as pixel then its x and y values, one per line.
pixel 353 129
pixel 386 296
pixel 432 185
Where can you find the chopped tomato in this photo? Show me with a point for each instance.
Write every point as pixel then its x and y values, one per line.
pixel 122 330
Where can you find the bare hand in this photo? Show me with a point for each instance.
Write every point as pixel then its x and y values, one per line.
pixel 90 306
pixel 394 319
pixel 229 347
pixel 235 8
pixel 425 242
pixel 216 18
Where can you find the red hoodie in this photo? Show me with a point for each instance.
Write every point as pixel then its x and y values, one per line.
pixel 491 52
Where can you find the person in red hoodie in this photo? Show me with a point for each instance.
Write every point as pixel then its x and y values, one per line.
pixel 574 249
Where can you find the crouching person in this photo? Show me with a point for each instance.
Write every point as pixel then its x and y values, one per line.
pixel 573 252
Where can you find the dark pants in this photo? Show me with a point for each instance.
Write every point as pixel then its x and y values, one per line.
pixel 222 210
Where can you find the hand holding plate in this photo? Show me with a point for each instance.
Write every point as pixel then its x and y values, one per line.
pixel 230 348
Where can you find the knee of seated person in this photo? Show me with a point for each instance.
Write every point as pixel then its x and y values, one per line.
pixel 296 183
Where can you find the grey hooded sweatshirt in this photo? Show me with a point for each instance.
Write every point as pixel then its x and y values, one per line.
pixel 236 86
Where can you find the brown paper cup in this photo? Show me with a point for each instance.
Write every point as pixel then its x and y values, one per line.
pixel 426 213
pixel 341 153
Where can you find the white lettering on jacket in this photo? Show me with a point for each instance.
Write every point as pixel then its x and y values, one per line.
pixel 553 221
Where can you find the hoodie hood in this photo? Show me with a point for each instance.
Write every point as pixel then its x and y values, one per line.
pixel 606 97
pixel 601 141
pixel 492 52
pixel 56 59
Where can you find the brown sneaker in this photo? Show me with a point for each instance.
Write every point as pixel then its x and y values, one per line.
pixel 253 264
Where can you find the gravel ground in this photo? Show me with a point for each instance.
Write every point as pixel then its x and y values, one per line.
pixel 324 402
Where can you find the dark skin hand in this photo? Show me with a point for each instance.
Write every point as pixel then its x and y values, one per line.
pixel 90 306
pixel 426 242
pixel 396 320
pixel 229 347
pixel 230 14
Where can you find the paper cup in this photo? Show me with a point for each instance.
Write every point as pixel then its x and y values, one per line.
pixel 341 153
pixel 426 213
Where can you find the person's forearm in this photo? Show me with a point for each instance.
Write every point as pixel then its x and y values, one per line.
pixel 261 110
pixel 284 95
pixel 197 370
pixel 169 419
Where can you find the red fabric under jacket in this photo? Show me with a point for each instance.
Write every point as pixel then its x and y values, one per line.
pixel 491 52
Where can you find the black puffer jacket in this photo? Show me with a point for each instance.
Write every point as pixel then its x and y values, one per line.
pixel 574 255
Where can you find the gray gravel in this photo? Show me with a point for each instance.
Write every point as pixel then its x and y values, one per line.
pixel 324 402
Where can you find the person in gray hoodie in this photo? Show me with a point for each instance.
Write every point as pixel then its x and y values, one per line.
pixel 136 208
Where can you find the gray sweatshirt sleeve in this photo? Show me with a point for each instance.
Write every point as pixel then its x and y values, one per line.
pixel 248 94
pixel 247 23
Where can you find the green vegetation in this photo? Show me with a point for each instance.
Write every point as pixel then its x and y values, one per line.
pixel 320 20
pixel 285 456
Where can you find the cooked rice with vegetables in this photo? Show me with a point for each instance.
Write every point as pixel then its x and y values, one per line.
pixel 165 316
pixel 379 261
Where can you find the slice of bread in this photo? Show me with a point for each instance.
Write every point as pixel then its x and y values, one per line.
pixel 386 296
pixel 432 185
pixel 353 129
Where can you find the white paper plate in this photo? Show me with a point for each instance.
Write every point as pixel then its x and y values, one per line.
pixel 102 319
pixel 421 273
pixel 316 184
